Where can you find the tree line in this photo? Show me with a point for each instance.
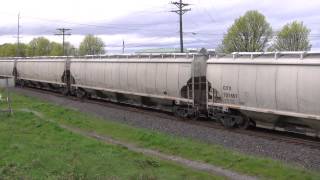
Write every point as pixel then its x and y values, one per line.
pixel 41 46
pixel 252 33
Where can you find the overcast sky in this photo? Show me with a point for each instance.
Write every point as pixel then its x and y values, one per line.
pixel 147 23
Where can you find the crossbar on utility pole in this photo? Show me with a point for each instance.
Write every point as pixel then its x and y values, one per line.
pixel 181 11
pixel 63 33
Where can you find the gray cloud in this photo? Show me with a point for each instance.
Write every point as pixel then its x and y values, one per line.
pixel 203 26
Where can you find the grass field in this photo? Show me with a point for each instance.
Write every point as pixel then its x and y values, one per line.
pixel 53 152
pixel 35 149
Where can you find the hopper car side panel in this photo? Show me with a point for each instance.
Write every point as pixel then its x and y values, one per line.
pixel 154 78
pixel 132 77
pixel 123 73
pixel 6 68
pixel 173 80
pixel 266 78
pixel 151 74
pixel 247 90
pixel 141 77
pixel 286 91
pixel 308 89
pixel 46 71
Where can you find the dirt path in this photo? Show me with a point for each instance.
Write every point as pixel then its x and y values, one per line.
pixel 200 166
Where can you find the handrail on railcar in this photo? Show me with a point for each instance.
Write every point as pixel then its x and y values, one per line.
pixel 109 56
pixel 234 55
pixel 276 54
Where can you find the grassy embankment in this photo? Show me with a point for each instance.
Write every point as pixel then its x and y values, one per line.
pixel 32 148
pixel 75 153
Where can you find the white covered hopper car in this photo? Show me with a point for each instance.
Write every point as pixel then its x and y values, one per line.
pixel 158 81
pixel 274 90
pixel 278 89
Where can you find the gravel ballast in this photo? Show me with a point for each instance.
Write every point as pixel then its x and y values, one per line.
pixel 290 153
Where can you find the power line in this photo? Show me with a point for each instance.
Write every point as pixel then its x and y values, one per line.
pixel 207 12
pixel 62 32
pixel 181 11
pixel 131 26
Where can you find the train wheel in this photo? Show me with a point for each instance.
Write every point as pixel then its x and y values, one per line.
pixel 64 91
pixel 81 93
pixel 22 83
pixel 252 123
pixel 228 122
pixel 180 112
pixel 244 123
pixel 196 116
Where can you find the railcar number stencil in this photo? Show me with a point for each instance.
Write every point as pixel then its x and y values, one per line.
pixel 228 95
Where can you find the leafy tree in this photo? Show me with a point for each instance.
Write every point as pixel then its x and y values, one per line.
pixel 10 50
pixel 91 45
pixel 292 37
pixel 56 49
pixel 249 33
pixel 70 50
pixel 219 49
pixel 39 47
pixel 22 49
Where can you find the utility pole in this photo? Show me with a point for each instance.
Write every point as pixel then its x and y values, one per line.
pixel 123 46
pixel 181 11
pixel 18 36
pixel 63 32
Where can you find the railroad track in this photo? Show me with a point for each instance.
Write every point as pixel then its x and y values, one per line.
pixel 286 137
pixel 273 135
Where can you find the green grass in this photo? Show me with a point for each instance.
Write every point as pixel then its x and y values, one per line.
pixel 188 148
pixel 35 149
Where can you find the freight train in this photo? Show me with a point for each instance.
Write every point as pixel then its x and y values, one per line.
pixel 278 90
